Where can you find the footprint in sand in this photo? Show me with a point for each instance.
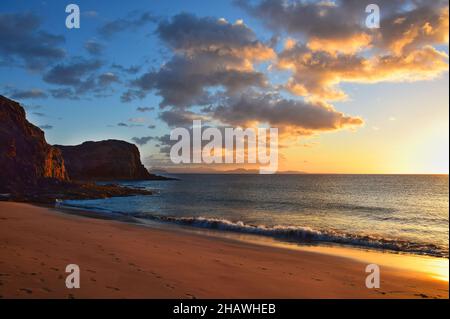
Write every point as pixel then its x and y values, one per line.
pixel 27 290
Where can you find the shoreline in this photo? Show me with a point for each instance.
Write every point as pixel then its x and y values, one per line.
pixel 274 235
pixel 126 260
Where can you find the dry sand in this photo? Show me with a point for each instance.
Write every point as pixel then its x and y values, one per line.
pixel 120 260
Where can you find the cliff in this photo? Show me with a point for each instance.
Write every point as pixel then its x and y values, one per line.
pixel 105 160
pixel 25 157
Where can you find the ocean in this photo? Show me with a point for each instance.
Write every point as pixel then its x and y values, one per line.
pixel 398 213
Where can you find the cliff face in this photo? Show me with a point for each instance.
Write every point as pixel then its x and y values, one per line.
pixel 25 156
pixel 104 160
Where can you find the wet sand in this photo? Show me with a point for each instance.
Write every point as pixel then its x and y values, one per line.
pixel 120 260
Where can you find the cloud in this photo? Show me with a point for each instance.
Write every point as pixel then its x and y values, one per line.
pixel 303 117
pixel 93 47
pixel 133 123
pixel 317 74
pixel 137 120
pixel 46 127
pixel 108 78
pixel 427 24
pixel 338 21
pixel 142 140
pixel 80 76
pixel 22 40
pixel 133 69
pixel 329 44
pixel 145 109
pixel 207 53
pixel 72 73
pixel 132 21
pixel 179 118
pixel 64 93
pixel 27 94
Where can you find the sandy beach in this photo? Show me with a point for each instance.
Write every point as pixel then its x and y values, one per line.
pixel 120 260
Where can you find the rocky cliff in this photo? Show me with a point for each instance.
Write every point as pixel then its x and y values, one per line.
pixel 105 160
pixel 25 157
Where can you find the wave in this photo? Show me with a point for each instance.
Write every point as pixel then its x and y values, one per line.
pixel 297 234
pixel 306 235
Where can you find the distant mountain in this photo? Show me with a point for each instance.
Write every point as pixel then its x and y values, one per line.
pixel 210 170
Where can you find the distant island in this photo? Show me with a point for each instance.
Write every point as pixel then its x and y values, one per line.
pixel 209 170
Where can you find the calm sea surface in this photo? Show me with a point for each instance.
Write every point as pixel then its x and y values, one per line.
pixel 391 212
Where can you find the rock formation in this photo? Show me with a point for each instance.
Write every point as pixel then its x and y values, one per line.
pixel 105 160
pixel 25 157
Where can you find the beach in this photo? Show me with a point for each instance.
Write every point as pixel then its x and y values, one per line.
pixel 123 260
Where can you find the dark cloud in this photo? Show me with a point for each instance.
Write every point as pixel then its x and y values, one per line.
pixel 184 81
pixel 93 47
pixel 179 118
pixel 340 25
pixel 132 21
pixel 72 73
pixel 108 78
pixel 208 53
pixel 280 112
pixel 64 93
pixel 322 19
pixel 187 31
pixel 80 76
pixel 122 124
pixel 22 39
pixel 133 69
pixel 27 94
pixel 46 127
pixel 145 109
pixel 142 140
pixel 39 114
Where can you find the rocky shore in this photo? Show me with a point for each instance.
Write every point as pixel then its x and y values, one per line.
pixel 32 170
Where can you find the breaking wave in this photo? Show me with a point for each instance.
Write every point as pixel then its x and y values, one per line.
pixel 291 233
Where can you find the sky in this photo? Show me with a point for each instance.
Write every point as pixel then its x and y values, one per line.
pixel 345 98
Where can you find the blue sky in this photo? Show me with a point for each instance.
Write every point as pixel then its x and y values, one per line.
pixel 380 110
